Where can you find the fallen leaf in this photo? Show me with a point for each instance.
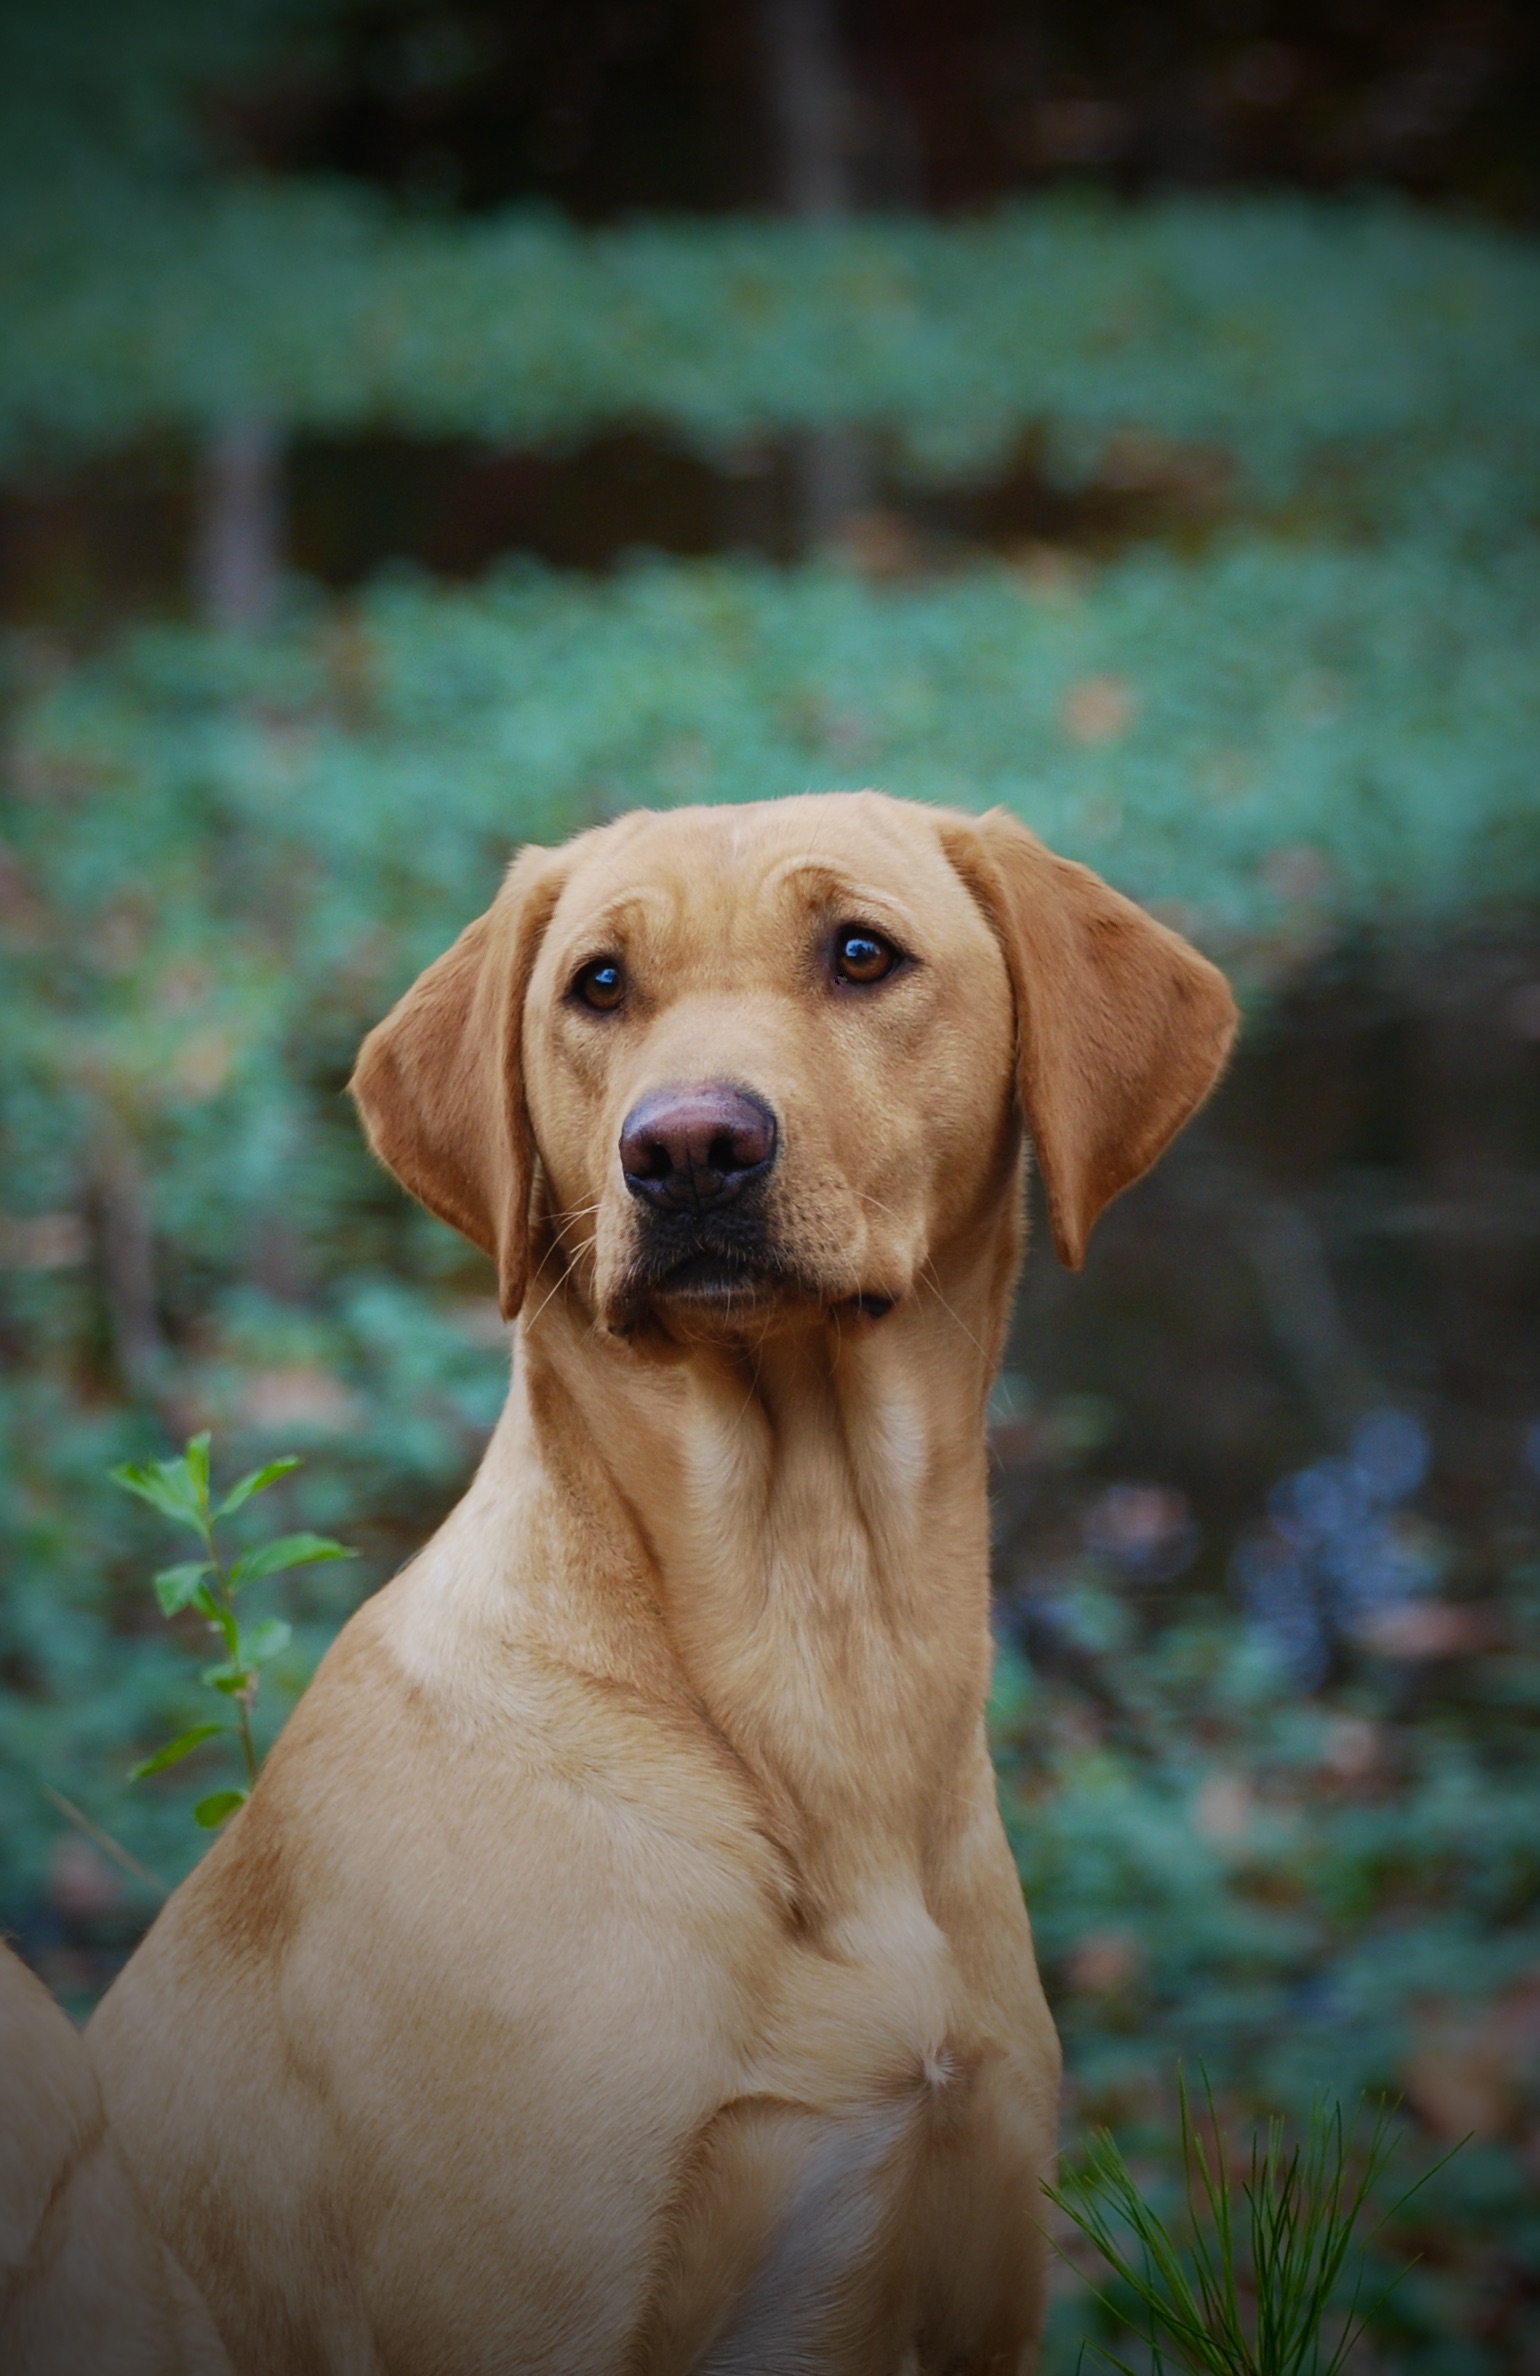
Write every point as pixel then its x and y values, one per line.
pixel 1099 709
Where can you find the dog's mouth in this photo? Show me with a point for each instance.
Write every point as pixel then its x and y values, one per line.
pixel 711 1267
pixel 719 1273
pixel 709 1277
pixel 724 1292
pixel 713 1284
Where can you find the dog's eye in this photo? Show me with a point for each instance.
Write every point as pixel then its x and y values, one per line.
pixel 600 984
pixel 861 956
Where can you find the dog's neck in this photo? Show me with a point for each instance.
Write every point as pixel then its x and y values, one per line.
pixel 808 1520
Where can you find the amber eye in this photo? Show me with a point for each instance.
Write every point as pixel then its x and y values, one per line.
pixel 601 984
pixel 861 956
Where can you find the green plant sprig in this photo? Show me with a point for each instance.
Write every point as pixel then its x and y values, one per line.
pixel 1280 2239
pixel 179 1490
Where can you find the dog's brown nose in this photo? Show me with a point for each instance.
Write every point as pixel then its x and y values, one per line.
pixel 696 1147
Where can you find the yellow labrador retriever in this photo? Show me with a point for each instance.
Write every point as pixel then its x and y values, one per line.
pixel 619 1969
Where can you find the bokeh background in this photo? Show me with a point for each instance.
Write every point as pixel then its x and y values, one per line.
pixel 427 424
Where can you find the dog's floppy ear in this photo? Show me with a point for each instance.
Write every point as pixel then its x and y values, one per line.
pixel 439 1083
pixel 1121 1028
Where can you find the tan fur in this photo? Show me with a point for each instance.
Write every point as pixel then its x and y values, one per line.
pixel 86 2288
pixel 1121 1028
pixel 620 1965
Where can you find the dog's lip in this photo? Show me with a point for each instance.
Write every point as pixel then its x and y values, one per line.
pixel 710 1277
pixel 727 1284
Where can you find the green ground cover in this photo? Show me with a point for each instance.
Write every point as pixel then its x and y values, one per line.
pixel 1306 341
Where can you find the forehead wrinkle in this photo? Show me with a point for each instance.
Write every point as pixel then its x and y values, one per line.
pixel 639 904
pixel 838 884
pixel 822 870
pixel 678 919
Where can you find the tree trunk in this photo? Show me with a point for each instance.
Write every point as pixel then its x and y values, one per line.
pixel 238 550
pixel 127 1256
pixel 810 108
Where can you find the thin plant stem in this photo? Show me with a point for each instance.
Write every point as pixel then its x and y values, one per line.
pixel 103 1840
pixel 219 1592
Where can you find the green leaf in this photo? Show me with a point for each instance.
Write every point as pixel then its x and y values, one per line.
pixel 211 1812
pixel 176 1750
pixel 286 1551
pixel 229 1676
pixel 166 1486
pixel 177 1587
pixel 262 1643
pixel 196 1460
pixel 258 1482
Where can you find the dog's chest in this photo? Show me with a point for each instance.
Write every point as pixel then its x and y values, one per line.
pixel 864 2179
pixel 756 2089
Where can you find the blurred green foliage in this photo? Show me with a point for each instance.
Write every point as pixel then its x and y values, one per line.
pixel 1305 340
pixel 144 288
pixel 1281 740
pixel 1341 1892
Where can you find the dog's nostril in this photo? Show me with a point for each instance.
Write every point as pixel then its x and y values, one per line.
pixel 696 1146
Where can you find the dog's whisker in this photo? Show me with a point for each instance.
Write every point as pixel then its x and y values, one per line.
pixel 547 1299
pixel 927 1275
pixel 580 1212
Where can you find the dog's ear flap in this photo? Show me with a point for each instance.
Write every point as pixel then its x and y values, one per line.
pixel 1122 1029
pixel 439 1084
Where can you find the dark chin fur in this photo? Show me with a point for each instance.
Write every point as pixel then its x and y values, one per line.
pixel 710 1282
pixel 708 1292
pixel 717 1273
pixel 712 1278
pixel 733 1302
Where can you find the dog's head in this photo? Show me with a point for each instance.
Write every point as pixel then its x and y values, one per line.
pixel 728 1064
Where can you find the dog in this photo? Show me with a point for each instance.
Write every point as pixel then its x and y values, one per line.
pixel 619 1965
pixel 86 2286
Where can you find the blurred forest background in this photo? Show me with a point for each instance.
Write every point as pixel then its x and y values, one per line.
pixel 430 423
